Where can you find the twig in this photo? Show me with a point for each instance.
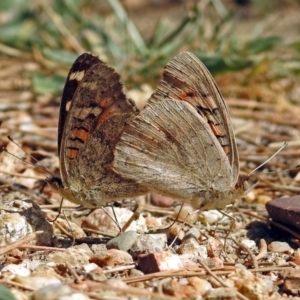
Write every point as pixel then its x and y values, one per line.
pixel 248 250
pixel 263 249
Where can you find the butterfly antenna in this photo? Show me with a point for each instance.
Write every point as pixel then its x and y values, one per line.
pixel 23 160
pixel 279 150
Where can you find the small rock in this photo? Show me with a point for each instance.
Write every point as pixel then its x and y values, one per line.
pixel 221 293
pixel 214 262
pixel 285 210
pixel 77 231
pixel 176 232
pixel 279 247
pixel 26 219
pixel 280 261
pixel 112 257
pixel 90 267
pixel 295 258
pixel 179 288
pixel 77 255
pixel 251 286
pixel 16 270
pixel 148 243
pixel 58 291
pixel 194 232
pixel 37 282
pixel 214 247
pixel 191 246
pixel 153 222
pixel 292 281
pixel 249 243
pixel 98 248
pixel 189 261
pixel 201 286
pixel 187 213
pixel 97 275
pixel 211 216
pixel 124 241
pixel 158 261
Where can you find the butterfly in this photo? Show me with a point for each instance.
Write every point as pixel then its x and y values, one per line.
pixel 93 113
pixel 182 144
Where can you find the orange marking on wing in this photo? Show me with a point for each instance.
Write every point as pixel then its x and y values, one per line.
pixel 104 102
pixel 72 153
pixel 80 134
pixel 226 149
pixel 105 115
pixel 110 108
pixel 182 95
pixel 217 132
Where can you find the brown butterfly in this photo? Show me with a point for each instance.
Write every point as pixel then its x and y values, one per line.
pixel 93 113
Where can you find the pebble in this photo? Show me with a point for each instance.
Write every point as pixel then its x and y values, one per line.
pixel 26 219
pixel 175 232
pixel 221 293
pixel 111 258
pixel 194 232
pixel 148 243
pixel 279 247
pixel 186 288
pixel 37 282
pixel 158 261
pixel 249 243
pixel 251 286
pixel 202 286
pixel 191 246
pixel 16 270
pixel 295 258
pixel 211 216
pixel 124 241
pixel 187 213
pixel 77 255
pixel 285 210
pixel 58 291
pixel 77 231
pixel 189 261
pixel 98 248
pixel 292 281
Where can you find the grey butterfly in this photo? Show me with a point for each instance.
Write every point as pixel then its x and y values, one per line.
pixel 182 144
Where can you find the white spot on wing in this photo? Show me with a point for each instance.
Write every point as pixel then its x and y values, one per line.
pixel 77 75
pixel 68 105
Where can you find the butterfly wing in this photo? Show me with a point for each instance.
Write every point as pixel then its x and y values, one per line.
pixel 186 78
pixel 95 116
pixel 81 65
pixel 182 142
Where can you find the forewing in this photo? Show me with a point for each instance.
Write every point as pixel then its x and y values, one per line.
pixel 81 65
pixel 169 147
pixel 95 121
pixel 186 78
